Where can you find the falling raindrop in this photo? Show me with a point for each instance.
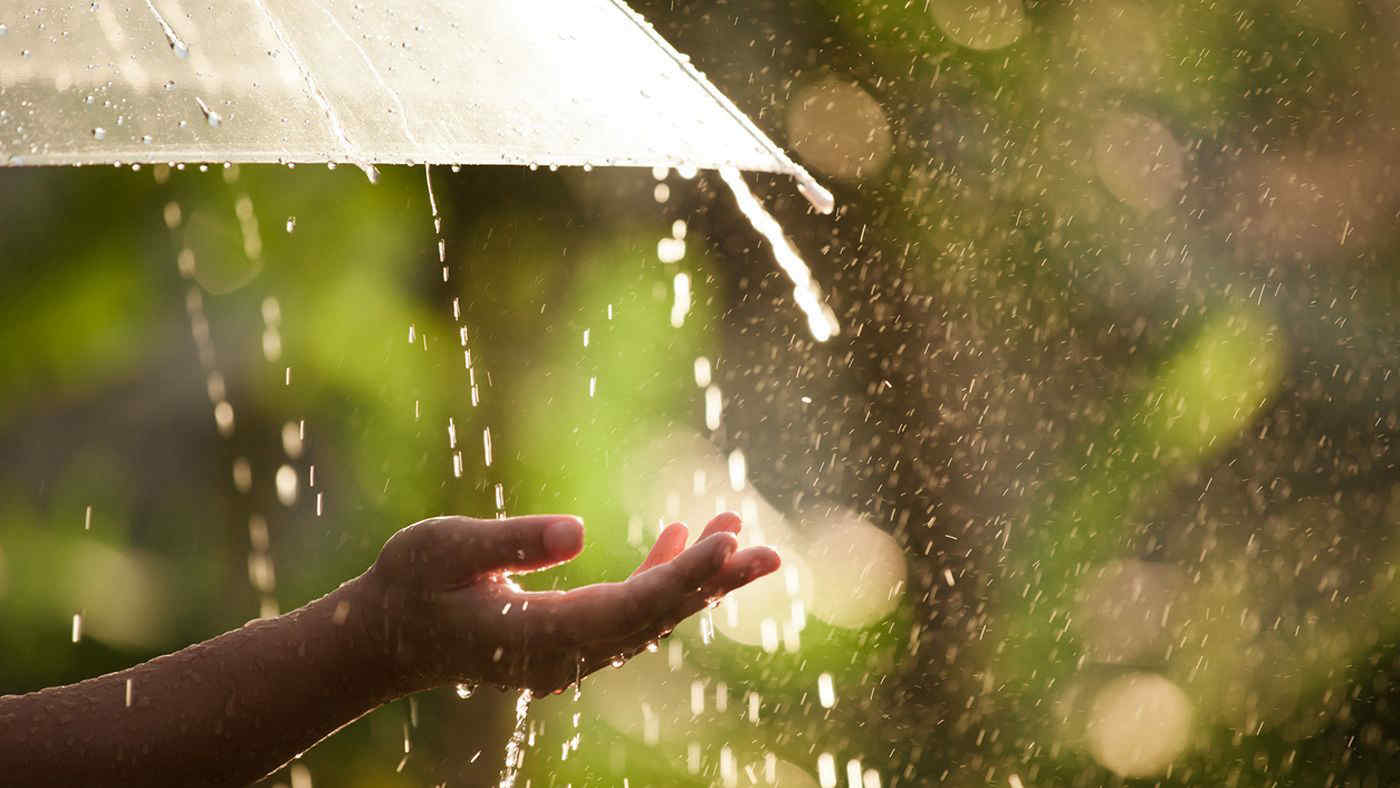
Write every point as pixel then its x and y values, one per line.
pixel 670 250
pixel 820 319
pixel 681 306
pixel 223 418
pixel 287 483
pixel 713 405
pixel 515 746
pixel 826 691
pixel 826 770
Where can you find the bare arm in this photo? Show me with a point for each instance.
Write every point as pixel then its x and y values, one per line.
pixel 436 608
pixel 222 712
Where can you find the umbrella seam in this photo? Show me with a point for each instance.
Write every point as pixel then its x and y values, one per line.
pixel 393 94
pixel 332 118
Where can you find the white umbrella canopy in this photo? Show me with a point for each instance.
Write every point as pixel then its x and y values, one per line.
pixel 542 82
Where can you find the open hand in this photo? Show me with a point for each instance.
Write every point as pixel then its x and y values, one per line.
pixel 451 613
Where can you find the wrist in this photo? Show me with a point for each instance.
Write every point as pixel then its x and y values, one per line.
pixel 359 618
pixel 381 617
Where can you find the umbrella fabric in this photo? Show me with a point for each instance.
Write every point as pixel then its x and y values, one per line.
pixel 543 82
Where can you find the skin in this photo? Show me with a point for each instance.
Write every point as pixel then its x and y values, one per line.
pixel 437 607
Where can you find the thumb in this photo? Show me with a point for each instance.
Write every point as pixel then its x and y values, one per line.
pixel 524 544
pixel 444 552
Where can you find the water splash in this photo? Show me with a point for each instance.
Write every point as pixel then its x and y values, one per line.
pixel 820 319
pixel 515 747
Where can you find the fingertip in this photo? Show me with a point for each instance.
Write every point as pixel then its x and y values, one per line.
pixel 725 522
pixel 754 563
pixel 563 538
pixel 721 545
pixel 766 560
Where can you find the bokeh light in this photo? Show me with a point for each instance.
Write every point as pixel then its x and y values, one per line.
pixel 839 129
pixel 1139 724
pixel 862 570
pixel 1140 161
pixel 980 24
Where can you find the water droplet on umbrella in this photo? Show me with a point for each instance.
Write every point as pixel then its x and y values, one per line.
pixel 210 115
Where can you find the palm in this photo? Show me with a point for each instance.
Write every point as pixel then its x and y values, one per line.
pixel 455 614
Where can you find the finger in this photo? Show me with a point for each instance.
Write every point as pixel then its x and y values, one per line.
pixel 725 521
pixel 668 545
pixel 742 568
pixel 615 611
pixel 601 644
pixel 447 551
pixel 658 588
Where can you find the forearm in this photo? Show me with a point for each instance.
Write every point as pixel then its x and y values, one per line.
pixel 223 712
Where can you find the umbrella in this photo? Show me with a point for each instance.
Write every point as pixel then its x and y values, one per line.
pixel 525 82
